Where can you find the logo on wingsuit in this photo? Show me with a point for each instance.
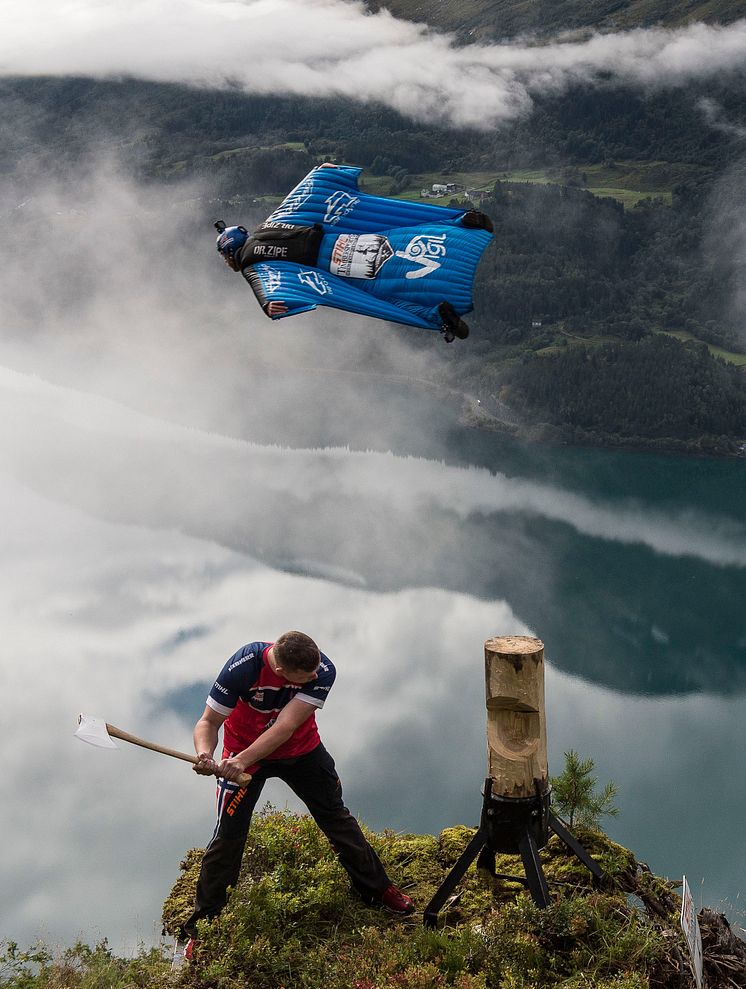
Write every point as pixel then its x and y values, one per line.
pixel 339 204
pixel 359 255
pixel 315 281
pixel 424 250
pixel 274 280
pixel 292 203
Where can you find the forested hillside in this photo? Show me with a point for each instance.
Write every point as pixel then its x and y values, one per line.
pixel 617 217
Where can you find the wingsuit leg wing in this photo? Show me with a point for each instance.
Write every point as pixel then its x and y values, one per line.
pixel 303 288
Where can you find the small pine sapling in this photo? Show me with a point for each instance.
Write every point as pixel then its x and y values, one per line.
pixel 575 795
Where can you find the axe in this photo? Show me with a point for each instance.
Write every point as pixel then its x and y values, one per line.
pixel 96 731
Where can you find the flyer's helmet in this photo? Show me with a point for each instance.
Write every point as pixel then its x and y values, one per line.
pixel 229 240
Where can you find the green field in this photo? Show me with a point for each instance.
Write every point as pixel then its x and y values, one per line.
pixel 727 355
pixel 594 340
pixel 627 182
pixel 288 145
pixel 380 185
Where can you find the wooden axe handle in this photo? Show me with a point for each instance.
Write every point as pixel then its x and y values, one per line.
pixel 243 780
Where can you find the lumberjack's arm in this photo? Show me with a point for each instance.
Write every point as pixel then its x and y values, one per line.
pixel 290 718
pixel 206 738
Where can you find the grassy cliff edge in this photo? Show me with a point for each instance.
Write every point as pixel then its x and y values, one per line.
pixel 293 923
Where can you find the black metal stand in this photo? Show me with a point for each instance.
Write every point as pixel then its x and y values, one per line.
pixel 512 826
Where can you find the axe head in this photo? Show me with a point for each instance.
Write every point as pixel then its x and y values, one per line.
pixel 94 731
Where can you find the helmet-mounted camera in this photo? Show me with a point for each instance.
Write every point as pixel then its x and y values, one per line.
pixel 229 239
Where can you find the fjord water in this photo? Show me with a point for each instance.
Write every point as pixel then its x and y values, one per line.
pixel 141 552
pixel 635 575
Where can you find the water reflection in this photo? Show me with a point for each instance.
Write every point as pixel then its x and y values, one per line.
pixel 640 597
pixel 131 623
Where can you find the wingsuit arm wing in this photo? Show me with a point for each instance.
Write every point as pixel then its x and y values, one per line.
pixel 304 288
pixel 329 195
pixel 267 287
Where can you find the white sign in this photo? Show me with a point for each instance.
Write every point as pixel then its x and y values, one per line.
pixel 690 927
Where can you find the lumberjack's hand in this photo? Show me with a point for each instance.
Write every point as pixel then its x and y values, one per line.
pixel 206 765
pixel 231 769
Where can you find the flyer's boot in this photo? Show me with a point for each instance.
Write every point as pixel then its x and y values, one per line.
pixel 453 325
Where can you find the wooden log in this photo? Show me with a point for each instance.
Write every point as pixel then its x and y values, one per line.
pixel 516 721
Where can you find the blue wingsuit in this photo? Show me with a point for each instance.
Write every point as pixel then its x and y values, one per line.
pixel 387 258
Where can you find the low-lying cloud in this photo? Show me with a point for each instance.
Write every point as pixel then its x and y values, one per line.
pixel 336 48
pixel 85 442
pixel 718 119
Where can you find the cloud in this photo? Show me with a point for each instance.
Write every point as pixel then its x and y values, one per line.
pixel 114 286
pixel 335 48
pixel 660 753
pixel 90 446
pixel 716 118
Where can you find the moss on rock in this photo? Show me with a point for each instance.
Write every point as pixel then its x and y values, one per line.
pixel 293 920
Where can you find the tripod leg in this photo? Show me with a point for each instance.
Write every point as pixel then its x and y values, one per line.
pixel 574 845
pixel 430 914
pixel 486 860
pixel 537 884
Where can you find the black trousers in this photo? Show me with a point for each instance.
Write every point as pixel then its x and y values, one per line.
pixel 311 777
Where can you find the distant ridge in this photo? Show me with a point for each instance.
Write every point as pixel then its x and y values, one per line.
pixel 494 20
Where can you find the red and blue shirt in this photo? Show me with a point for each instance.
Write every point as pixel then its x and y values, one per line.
pixel 251 694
